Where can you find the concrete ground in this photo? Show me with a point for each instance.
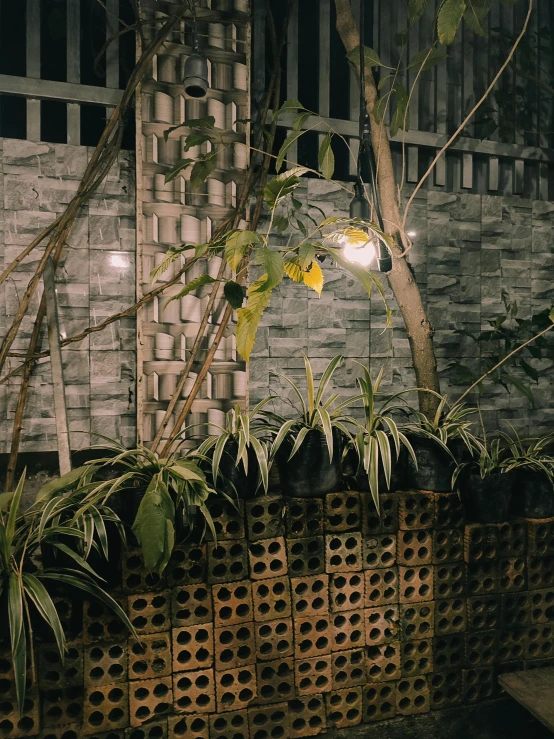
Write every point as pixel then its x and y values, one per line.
pixel 502 719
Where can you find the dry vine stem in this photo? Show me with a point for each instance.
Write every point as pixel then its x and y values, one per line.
pixel 97 169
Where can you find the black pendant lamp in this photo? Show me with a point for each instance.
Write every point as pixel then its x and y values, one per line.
pixel 195 80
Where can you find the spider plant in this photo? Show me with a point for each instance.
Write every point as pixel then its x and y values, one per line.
pixel 487 459
pixel 528 453
pixel 243 432
pixel 372 441
pixel 25 582
pixel 447 424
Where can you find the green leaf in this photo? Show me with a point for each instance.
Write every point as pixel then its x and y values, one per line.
pixel 326 158
pixel 5 501
pixel 314 278
pixel 193 285
pixel 272 262
pixel 371 57
pixel 208 122
pixel 249 317
pixel 529 371
pixel 427 59
pixel 14 507
pixel 280 224
pixel 61 484
pixel 45 606
pixel 287 143
pixel 179 166
pixel 416 8
pixel 151 528
pixel 195 139
pixel 237 244
pixel 476 14
pixel 508 3
pixel 165 264
pixel 18 636
pixel 294 270
pixel 282 185
pixel 306 255
pixel 202 170
pixel 551 315
pixel 449 19
pixel 288 106
pixel 362 274
pixel 299 121
pixel 234 294
pixel 383 81
pixel 401 38
pixel 380 107
pixel 400 118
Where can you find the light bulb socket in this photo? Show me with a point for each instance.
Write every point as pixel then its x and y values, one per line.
pixel 195 81
pixel 384 260
pixel 359 205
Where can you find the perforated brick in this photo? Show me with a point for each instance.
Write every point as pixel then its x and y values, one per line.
pixel 230 725
pixel 445 688
pixel 541 605
pixel 269 722
pixel 106 707
pixel 512 574
pixel 53 673
pixel 449 511
pixel 448 546
pixel 379 701
pixel 342 511
pixel 313 675
pixel 100 623
pixel 449 652
pixel 233 603
pixel 304 517
pixel 151 657
pixel 539 642
pixel 383 662
pixel 187 565
pixel 61 705
pixel 272 599
pixel 16 724
pixel 310 595
pixel 512 539
pixel 191 604
pixel 540 538
pixel 227 561
pixel 306 556
pixel 482 578
pixel 415 510
pixel 264 517
pixel 384 521
pixel 307 716
pixel 274 639
pixel 149 612
pixel 381 587
pixel 416 584
pixel 344 707
pixel 478 684
pixel 69 731
pixel 416 657
pixel 417 619
pixel 348 668
pixel 228 519
pixel 382 624
pixel 268 558
pixel 193 647
pixel 156 730
pixel 450 580
pixel 412 696
pixel 480 542
pixel 347 630
pixel 235 688
pixel 346 591
pixel 414 547
pixel 149 699
pixel 515 609
pixel 480 648
pixel 343 552
pixel 378 550
pixel 105 664
pixel 194 692
pixel 135 576
pixel 450 616
pixel 189 727
pixel 540 572
pixel 312 636
pixel 235 646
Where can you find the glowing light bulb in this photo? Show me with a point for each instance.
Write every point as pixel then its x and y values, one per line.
pixel 119 260
pixel 411 234
pixel 362 254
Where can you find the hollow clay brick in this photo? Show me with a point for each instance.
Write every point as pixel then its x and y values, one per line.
pixel 135 576
pixel 100 623
pixel 480 648
pixel 344 707
pixel 450 616
pixel 193 647
pixel 191 604
pixel 448 546
pixel 150 699
pixel 415 510
pixel 483 612
pixel 272 598
pixel 266 722
pixel 342 511
pixel 517 609
pixel 53 672
pixel 346 591
pixel 540 572
pixel 59 706
pixel 229 725
pixel 274 639
pixel 348 668
pixel 414 547
pixel 540 537
pixel 445 689
pixel 450 580
pixel 306 556
pixel 379 701
pixel 268 558
pixel 313 675
pixel 378 550
pixel 310 595
pixel 194 692
pixel 347 630
pixel 187 565
pixel 343 552
pixel 416 657
pixel 449 653
pixel 228 519
pixel 149 612
pixel 153 730
pixel 478 684
pixel 227 561
pixel 382 624
pixel 183 726
pixel 383 662
pixel 264 517
pixel 105 663
pixel 236 688
pixel 383 522
pixel 106 707
pixel 307 716
pixel 312 636
pixel 304 517
pixel 412 696
pixel 449 511
pixel 418 620
pixel 235 646
pixel 232 603
pixel 381 587
pixel 416 583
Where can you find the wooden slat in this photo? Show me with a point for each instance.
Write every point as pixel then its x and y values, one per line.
pixel 33 66
pixel 467 171
pixel 354 96
pixel 543 182
pixel 50 90
pixel 468 78
pixel 534 690
pixel 112 52
pixel 324 61
pixel 440 95
pixel 73 69
pixel 519 176
pixel 494 174
pixel 292 69
pixel 258 50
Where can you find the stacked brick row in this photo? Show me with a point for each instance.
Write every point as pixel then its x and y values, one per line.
pixel 305 614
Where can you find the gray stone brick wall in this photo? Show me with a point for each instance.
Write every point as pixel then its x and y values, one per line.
pixel 95 280
pixel 467 250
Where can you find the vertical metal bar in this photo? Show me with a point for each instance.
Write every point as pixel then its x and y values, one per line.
pixel 33 66
pixel 60 410
pixel 354 93
pixel 292 68
pixel 112 52
pixel 73 69
pixel 467 171
pixel 324 97
pixel 494 174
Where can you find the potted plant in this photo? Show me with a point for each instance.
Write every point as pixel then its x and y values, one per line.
pixel 376 456
pixel 239 455
pixel 485 483
pixel 438 442
pixel 308 449
pixel 533 495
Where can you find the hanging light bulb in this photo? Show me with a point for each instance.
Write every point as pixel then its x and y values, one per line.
pixel 195 78
pixel 359 242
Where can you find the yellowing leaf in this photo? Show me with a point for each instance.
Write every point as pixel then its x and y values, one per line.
pixel 293 270
pixel 249 317
pixel 314 278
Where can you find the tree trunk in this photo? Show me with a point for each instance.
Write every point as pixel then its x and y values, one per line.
pixel 401 278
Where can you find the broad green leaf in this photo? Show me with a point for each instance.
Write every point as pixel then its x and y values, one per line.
pixel 449 19
pixel 282 185
pixel 326 158
pixel 299 121
pixel 383 81
pixel 280 224
pixel 249 317
pixel 288 106
pixel 179 166
pixel 202 170
pixel 401 37
pixel 416 8
pixel 371 57
pixel 306 255
pixel 314 278
pixel 234 294
pixel 5 500
pixel 192 285
pixel 476 16
pixel 195 139
pixel 294 270
pixel 61 484
pixel 150 526
pixel 400 118
pixel 426 59
pixel 237 244
pixel 287 143
pixel 208 123
pixel 272 263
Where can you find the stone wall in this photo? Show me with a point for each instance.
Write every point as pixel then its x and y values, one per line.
pixel 95 280
pixel 467 250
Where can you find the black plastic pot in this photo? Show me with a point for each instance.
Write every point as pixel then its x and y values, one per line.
pixel 310 473
pixel 434 467
pixel 533 495
pixel 235 481
pixel 488 499
pixel 361 481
